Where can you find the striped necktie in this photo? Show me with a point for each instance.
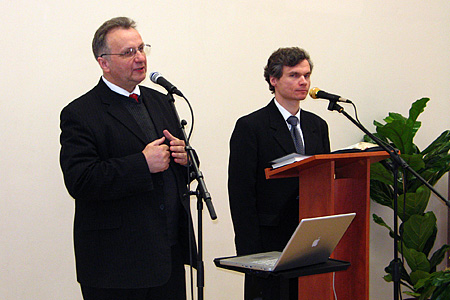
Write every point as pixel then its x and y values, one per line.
pixel 299 147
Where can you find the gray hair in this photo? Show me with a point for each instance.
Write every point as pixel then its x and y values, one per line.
pixel 99 44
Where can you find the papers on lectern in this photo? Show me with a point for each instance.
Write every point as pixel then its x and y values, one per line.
pixel 288 159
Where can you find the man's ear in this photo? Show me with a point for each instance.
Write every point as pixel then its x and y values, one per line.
pixel 273 81
pixel 104 64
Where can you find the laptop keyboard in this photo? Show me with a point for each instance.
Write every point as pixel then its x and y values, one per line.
pixel 266 262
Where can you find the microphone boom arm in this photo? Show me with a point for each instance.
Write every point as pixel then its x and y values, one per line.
pixel 392 152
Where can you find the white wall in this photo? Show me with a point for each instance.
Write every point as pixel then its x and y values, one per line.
pixel 381 54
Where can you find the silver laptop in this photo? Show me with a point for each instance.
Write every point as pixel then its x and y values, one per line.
pixel 312 242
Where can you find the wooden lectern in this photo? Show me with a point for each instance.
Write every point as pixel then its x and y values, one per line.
pixel 334 184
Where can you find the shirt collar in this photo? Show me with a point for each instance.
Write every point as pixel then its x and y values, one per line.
pixel 284 111
pixel 121 91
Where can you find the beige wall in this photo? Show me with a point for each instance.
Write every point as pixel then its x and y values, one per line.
pixel 381 54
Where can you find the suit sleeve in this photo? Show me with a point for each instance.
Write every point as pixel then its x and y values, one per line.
pixel 242 176
pixel 92 174
pixel 315 132
pixel 325 138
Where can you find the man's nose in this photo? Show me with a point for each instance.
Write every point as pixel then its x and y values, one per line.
pixel 140 56
pixel 302 80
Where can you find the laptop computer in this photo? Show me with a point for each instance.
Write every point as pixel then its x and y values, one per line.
pixel 312 243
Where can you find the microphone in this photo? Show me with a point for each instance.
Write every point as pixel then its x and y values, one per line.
pixel 157 78
pixel 317 93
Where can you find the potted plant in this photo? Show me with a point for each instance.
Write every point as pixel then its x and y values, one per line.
pixel 417 230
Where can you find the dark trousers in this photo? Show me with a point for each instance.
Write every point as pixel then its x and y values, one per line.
pixel 258 288
pixel 174 289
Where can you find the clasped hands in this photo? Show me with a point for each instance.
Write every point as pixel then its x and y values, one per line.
pixel 157 154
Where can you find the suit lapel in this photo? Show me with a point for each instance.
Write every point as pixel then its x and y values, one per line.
pixel 310 135
pixel 113 105
pixel 282 135
pixel 151 103
pixel 279 128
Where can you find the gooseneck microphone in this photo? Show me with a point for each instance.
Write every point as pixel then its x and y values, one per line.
pixel 317 93
pixel 157 78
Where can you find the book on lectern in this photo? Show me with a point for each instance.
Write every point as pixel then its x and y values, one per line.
pixel 287 160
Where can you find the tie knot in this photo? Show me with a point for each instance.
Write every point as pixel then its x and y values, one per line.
pixel 293 120
pixel 135 97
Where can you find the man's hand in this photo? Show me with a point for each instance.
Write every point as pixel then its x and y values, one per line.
pixel 157 155
pixel 177 148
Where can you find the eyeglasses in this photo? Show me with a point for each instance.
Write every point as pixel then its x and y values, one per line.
pixel 131 52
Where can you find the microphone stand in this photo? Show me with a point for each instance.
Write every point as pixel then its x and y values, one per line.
pixel 397 163
pixel 201 193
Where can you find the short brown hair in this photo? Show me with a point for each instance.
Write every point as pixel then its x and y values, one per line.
pixel 284 57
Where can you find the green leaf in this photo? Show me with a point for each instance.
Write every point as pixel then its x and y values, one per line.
pixel 419 275
pixel 415 204
pixel 430 243
pixel 416 260
pixel 418 229
pixel 393 116
pixel 438 256
pixel 400 130
pixel 370 140
pixel 415 161
pixel 381 193
pixel 426 293
pixel 424 281
pixel 404 276
pixel 441 280
pixel 380 173
pixel 441 293
pixel 416 109
pixel 412 294
pixel 399 134
pixel 436 158
pixel 380 221
pixel 440 145
pixel 377 124
pixel 425 287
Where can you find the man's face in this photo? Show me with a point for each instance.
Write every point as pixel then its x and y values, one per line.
pixel 124 72
pixel 294 83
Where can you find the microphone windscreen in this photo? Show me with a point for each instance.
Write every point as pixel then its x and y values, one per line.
pixel 154 76
pixel 313 92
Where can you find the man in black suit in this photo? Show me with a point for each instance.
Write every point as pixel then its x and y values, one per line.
pixel 126 169
pixel 265 212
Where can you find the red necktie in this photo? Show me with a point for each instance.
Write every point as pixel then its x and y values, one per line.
pixel 135 97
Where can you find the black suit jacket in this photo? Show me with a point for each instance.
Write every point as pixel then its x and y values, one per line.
pixel 120 227
pixel 265 212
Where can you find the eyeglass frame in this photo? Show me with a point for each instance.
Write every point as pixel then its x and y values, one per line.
pixel 133 52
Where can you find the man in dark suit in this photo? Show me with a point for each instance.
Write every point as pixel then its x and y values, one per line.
pixel 126 169
pixel 265 212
